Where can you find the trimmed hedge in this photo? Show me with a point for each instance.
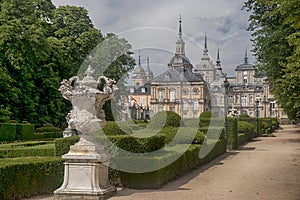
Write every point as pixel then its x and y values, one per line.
pixel 214 131
pixel 188 161
pixel 42 150
pixel 114 128
pixel 7 132
pixel 232 132
pixel 25 132
pixel 47 135
pixel 47 128
pixel 165 119
pixel 24 177
pixel 62 145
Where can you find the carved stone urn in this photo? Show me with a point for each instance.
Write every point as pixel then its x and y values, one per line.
pixel 86 171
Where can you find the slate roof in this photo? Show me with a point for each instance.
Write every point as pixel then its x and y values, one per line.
pixel 178 75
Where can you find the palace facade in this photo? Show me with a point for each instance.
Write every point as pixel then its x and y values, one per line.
pixel 190 90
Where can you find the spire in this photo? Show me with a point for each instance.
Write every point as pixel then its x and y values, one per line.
pixel 205 50
pixel 246 57
pixel 205 43
pixel 139 58
pixel 180 28
pixel 148 63
pixel 149 73
pixel 180 45
pixel 218 59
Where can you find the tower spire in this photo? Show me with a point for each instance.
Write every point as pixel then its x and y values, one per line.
pixel 205 45
pixel 180 45
pixel 218 59
pixel 180 27
pixel 246 57
pixel 139 58
pixel 148 62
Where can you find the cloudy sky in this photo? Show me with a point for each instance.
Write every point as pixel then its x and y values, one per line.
pixel 152 27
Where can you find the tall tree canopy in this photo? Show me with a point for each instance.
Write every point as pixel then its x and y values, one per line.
pixel 39 46
pixel 275 27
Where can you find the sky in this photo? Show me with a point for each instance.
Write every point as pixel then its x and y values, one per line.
pixel 151 27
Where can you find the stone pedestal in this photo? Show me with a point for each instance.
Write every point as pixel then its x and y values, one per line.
pixel 86 174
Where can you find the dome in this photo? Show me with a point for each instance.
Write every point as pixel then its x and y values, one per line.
pixel 139 70
pixel 179 59
pixel 245 67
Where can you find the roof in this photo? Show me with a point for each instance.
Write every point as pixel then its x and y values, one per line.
pixel 175 75
pixel 245 67
pixel 179 59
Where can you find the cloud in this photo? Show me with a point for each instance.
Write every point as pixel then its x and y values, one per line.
pixel 222 20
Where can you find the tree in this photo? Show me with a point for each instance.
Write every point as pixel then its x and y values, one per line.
pixel 39 46
pixel 74 36
pixel 112 58
pixel 275 30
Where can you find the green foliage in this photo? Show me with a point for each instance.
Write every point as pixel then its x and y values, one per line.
pixel 25 132
pixel 232 133
pixel 276 30
pixel 165 119
pixel 7 132
pixel 242 116
pixel 62 145
pixel 47 129
pixel 188 161
pixel 47 135
pixel 117 128
pixel 245 127
pixel 206 114
pixel 39 46
pixel 27 151
pixel 23 177
pixel 133 144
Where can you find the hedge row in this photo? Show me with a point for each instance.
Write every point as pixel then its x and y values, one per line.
pixel 12 132
pixel 42 150
pixel 24 177
pixel 186 162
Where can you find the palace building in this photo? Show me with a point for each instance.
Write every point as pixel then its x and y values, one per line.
pixel 189 90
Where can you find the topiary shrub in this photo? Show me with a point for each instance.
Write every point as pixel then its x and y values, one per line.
pixel 165 119
pixel 117 128
pixel 206 114
pixel 205 118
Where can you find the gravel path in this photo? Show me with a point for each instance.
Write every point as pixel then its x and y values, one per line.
pixel 266 169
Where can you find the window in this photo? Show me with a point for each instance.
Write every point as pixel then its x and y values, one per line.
pixel 195 91
pixel 160 95
pixel 172 96
pixel 160 108
pixel 272 105
pixel 143 90
pixel 230 99
pixel 143 101
pixel 244 100
pixel 207 79
pixel 185 91
pixel 172 108
pixel 185 105
pixel 195 105
pixel 245 78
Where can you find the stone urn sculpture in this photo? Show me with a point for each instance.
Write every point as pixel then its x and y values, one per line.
pixel 86 171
